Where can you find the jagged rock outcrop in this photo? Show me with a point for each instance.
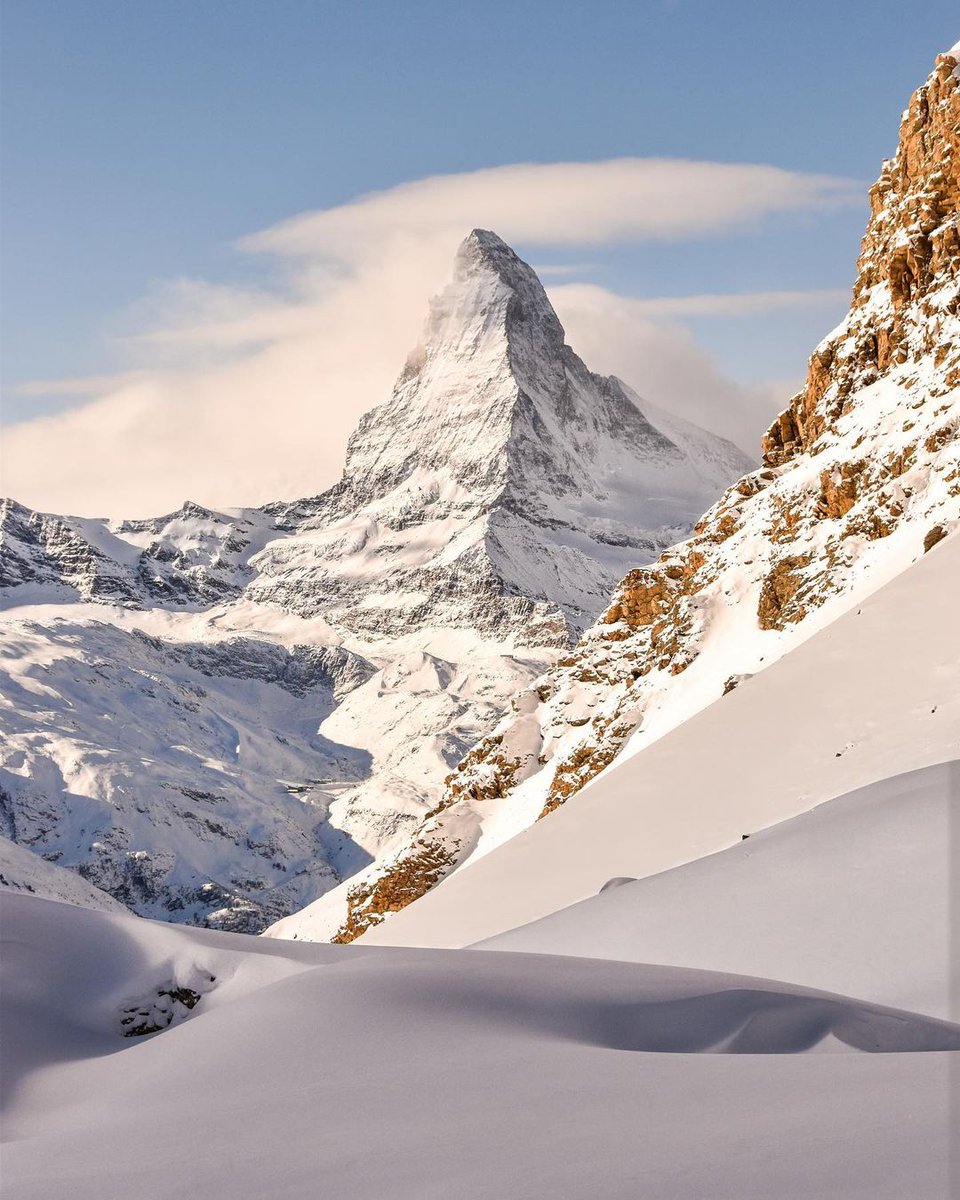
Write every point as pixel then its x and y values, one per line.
pixel 908 260
pixel 861 476
pixel 246 707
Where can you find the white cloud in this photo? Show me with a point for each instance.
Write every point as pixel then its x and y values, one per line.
pixel 573 204
pixel 662 361
pixel 239 396
pixel 735 304
pixel 76 385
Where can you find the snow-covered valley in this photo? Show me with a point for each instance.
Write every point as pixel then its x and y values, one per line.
pixel 370 1071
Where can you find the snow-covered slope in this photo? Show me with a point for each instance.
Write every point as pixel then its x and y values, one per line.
pixel 21 871
pixel 188 559
pixel 287 1071
pixel 857 896
pixel 218 716
pixel 875 694
pixel 861 476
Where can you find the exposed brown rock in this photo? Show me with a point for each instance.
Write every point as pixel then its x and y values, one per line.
pixel 645 594
pixel 588 760
pixel 911 246
pixel 941 437
pixel 936 534
pixel 838 489
pixel 406 880
pixel 776 608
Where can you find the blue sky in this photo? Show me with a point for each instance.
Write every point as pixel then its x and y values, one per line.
pixel 141 140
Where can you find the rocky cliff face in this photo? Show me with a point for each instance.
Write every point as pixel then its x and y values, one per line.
pixel 906 275
pixel 216 717
pixel 861 475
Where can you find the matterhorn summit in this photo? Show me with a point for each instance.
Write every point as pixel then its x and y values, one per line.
pixel 502 485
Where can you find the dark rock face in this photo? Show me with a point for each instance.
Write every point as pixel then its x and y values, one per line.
pixel 189 559
pixel 37 548
pixel 167 1006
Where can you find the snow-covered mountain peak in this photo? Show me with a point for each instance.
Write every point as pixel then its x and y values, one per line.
pixel 502 485
pixel 490 338
pixel 490 277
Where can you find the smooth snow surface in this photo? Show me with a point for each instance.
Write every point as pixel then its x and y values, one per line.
pixel 833 715
pixel 308 1071
pixel 857 896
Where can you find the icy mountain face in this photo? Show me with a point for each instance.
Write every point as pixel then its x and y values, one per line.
pixel 861 475
pixel 217 717
pixel 503 486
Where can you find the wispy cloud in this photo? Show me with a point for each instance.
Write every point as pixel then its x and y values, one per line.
pixel 551 270
pixel 661 359
pixel 735 304
pixel 241 395
pixel 561 204
pixel 81 386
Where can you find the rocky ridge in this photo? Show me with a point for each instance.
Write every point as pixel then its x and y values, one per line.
pixel 191 559
pixel 861 475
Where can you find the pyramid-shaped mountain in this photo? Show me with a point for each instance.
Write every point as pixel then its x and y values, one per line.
pixel 861 478
pixel 502 485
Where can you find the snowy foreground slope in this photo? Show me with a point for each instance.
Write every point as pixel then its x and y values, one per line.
pixel 294 1069
pixel 857 896
pixel 875 694
pixel 357 1072
pixel 555 1060
pixel 217 716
